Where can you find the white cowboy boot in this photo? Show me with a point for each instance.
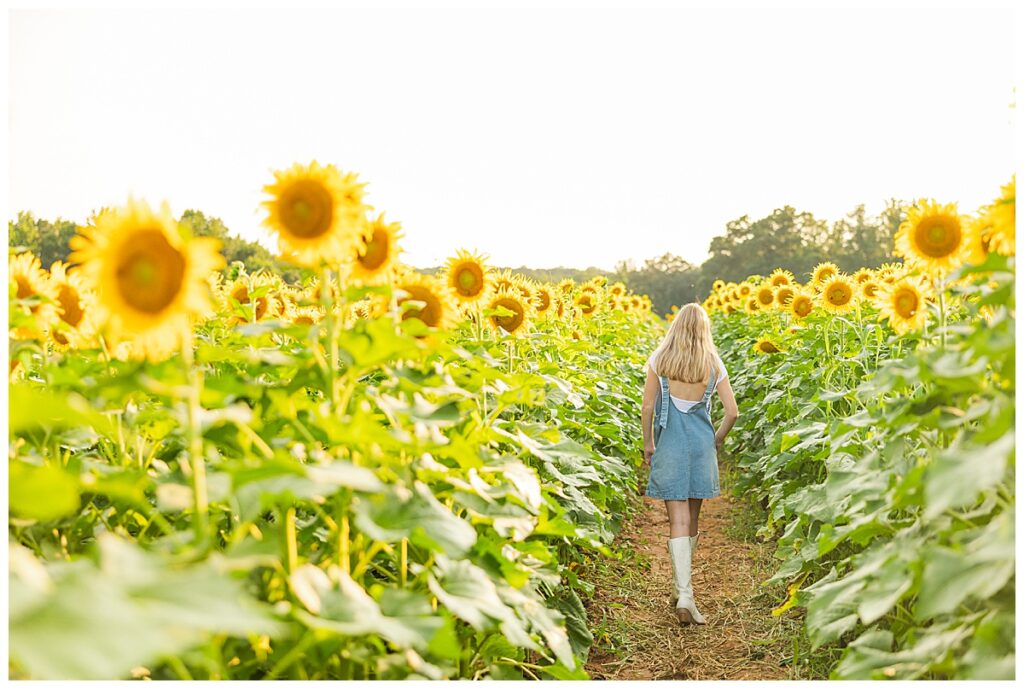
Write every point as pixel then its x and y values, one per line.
pixel 693 549
pixel 686 608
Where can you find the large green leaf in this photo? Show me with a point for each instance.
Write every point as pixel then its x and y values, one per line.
pixel 41 492
pixel 416 515
pixel 99 623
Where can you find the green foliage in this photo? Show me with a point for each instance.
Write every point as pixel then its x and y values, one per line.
pixel 887 466
pixel 415 509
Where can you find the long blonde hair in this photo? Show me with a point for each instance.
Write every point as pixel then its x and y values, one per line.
pixel 688 353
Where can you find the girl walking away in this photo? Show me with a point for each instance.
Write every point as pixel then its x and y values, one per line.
pixel 680 442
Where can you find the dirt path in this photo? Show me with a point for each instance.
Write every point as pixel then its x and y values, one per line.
pixel 636 632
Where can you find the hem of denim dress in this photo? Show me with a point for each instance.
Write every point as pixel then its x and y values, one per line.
pixel 705 496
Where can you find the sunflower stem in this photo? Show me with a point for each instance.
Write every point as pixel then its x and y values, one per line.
pixel 405 561
pixel 293 543
pixel 195 436
pixel 327 302
pixel 942 313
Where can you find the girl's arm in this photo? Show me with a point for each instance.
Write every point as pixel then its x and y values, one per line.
pixel 732 412
pixel 651 390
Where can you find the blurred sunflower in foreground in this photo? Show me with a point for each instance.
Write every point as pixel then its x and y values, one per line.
pixel 149 276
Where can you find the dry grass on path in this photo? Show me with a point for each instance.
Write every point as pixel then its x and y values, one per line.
pixel 635 629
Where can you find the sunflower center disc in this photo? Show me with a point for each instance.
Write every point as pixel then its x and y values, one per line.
pixel 376 252
pixel 24 287
pixel 937 239
pixel 429 314
pixel 150 273
pixel 306 209
pixel 906 304
pixel 68 299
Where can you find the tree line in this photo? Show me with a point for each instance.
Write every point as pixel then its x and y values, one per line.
pixel 787 238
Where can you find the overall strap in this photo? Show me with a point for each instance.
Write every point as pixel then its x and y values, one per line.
pixel 711 387
pixel 663 418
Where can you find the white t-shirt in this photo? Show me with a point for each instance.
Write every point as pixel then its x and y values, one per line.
pixel 681 404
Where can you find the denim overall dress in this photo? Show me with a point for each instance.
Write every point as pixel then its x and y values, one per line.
pixel 685 461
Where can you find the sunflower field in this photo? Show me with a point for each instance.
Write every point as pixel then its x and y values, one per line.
pixel 377 473
pixel 877 429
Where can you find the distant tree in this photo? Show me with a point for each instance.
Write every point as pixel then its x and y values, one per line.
pixel 667 279
pixel 862 241
pixel 47 240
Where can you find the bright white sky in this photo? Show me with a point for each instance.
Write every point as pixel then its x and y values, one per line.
pixel 544 138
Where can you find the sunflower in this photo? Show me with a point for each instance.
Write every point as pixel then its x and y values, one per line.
pixel 376 257
pixel 745 289
pixel 784 295
pixel 751 305
pixel 822 273
pixel 765 296
pixel 617 289
pixel 933 238
pixel 588 303
pixel 863 275
pixel 903 303
pixel 544 299
pixel 889 272
pixel 467 276
pixel 766 345
pixel 287 298
pixel 148 275
pixel 439 309
pixel 29 282
pixel 518 321
pixel 504 280
pixel 717 285
pixel 76 311
pixel 307 315
pixel 259 287
pixel 561 308
pixel 781 277
pixel 999 219
pixel 318 214
pixel 638 303
pixel 525 289
pixel 311 293
pixel 802 304
pixel 869 290
pixel 837 294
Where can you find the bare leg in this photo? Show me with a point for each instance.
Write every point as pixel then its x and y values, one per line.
pixel 695 504
pixel 678 518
